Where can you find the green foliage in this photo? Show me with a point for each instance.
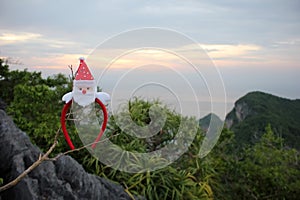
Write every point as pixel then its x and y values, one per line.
pixel 4 69
pixel 184 179
pixel 10 79
pixel 268 164
pixel 222 161
pixel 267 170
pixel 34 103
pixel 261 109
pixel 36 111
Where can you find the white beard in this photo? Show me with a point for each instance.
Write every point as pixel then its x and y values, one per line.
pixel 83 99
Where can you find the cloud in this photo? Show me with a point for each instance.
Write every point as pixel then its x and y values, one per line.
pixel 223 55
pixel 221 51
pixel 156 59
pixel 176 8
pixel 230 21
pixel 55 62
pixel 26 44
pixel 293 41
pixel 40 52
pixel 10 38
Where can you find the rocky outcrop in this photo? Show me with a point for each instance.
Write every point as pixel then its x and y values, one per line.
pixel 241 111
pixel 61 179
pixel 238 114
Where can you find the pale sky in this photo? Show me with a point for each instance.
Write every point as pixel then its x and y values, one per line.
pixel 255 44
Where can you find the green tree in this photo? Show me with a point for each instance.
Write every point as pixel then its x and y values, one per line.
pixel 10 79
pixel 36 111
pixel 34 103
pixel 269 170
pixel 4 69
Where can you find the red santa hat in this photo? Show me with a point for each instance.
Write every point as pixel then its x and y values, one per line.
pixel 83 74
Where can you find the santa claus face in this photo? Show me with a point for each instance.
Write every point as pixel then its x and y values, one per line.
pixel 85 90
pixel 84 94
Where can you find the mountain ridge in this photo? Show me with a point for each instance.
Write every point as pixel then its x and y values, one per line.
pixel 205 121
pixel 255 110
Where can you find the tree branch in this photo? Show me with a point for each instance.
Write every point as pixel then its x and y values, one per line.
pixel 46 158
pixel 80 148
pixel 32 167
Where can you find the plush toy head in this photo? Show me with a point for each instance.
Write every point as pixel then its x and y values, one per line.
pixel 84 86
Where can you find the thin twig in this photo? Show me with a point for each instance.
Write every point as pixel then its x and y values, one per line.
pixel 32 167
pixel 80 148
pixel 72 72
pixel 46 158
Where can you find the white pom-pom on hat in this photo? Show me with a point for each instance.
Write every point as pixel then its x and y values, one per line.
pixel 81 58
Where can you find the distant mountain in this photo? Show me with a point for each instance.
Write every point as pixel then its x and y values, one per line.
pixel 255 110
pixel 208 119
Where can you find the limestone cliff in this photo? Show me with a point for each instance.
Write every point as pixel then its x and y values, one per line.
pixel 61 179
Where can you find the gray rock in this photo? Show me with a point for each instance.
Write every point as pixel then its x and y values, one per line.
pixel 61 179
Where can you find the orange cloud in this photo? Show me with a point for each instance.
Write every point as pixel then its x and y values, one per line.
pixel 180 57
pixel 141 57
pixel 55 62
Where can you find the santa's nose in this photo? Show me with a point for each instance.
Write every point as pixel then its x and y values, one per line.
pixel 83 91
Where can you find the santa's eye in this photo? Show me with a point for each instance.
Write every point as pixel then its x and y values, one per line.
pixel 88 88
pixel 80 89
